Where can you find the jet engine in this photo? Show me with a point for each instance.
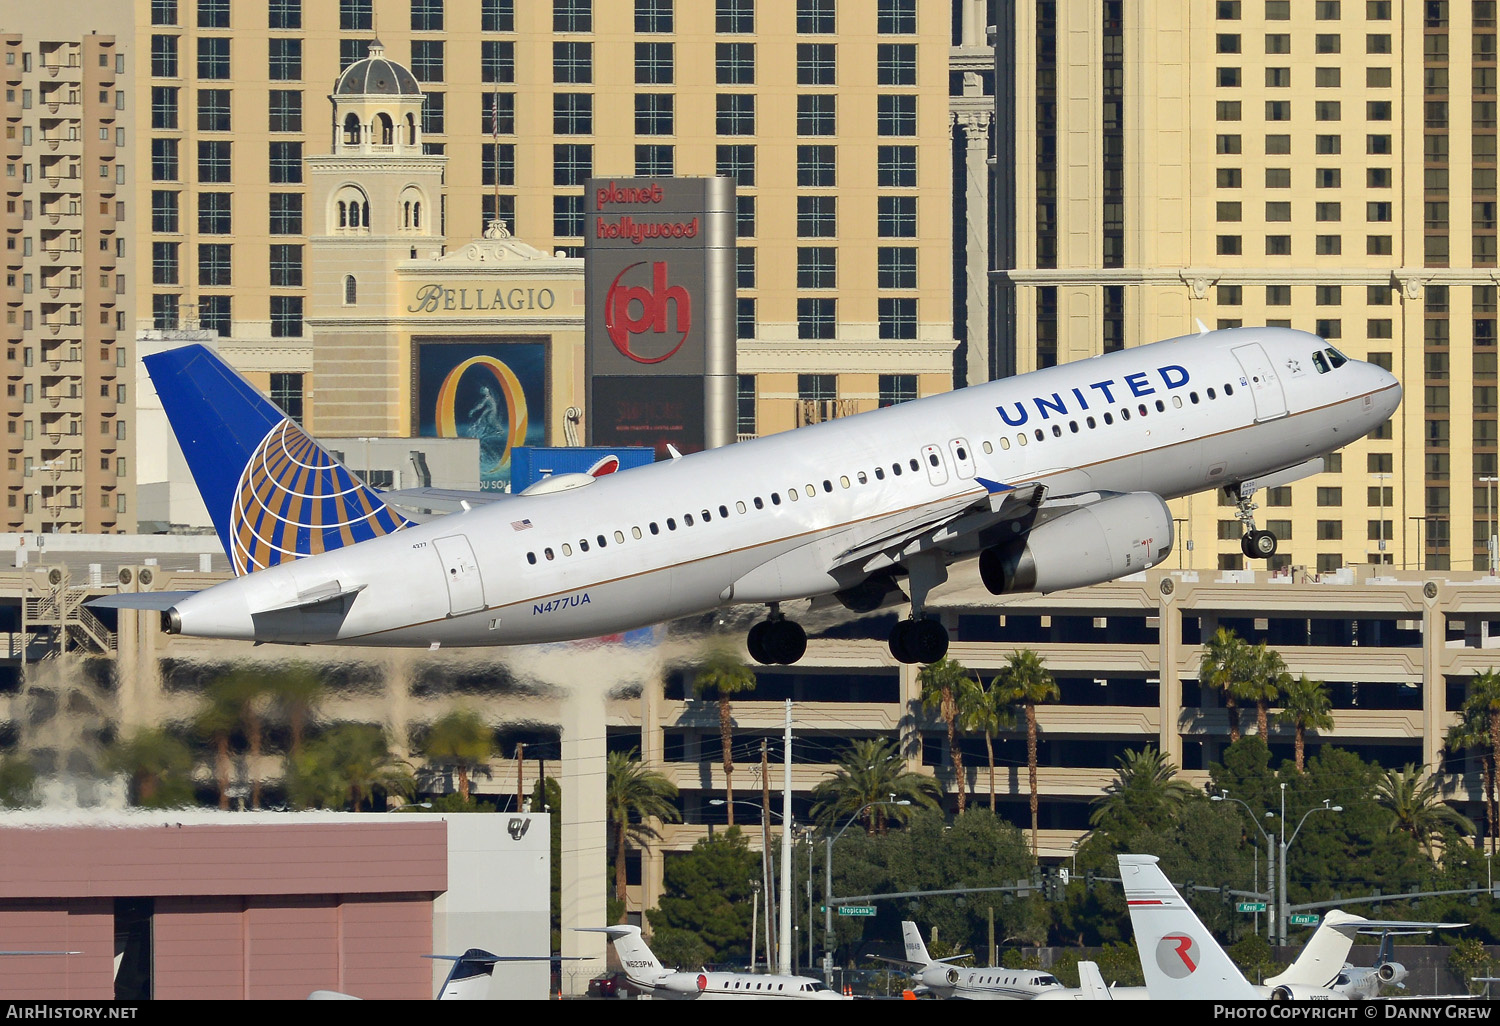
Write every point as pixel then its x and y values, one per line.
pixel 683 983
pixel 939 976
pixel 1391 972
pixel 1102 541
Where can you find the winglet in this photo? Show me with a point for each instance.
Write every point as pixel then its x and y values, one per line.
pixel 1202 328
pixel 672 451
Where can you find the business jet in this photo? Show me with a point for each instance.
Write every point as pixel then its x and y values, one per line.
pixel 938 977
pixel 1179 956
pixel 1323 961
pixel 1055 479
pixel 648 975
pixel 468 980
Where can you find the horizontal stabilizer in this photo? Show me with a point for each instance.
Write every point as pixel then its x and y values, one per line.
pixel 157 600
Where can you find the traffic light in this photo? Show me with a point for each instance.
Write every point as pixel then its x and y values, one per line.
pixel 1224 893
pixel 1088 879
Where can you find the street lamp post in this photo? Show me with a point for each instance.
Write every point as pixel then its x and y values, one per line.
pixel 1223 796
pixel 1286 842
pixel 1380 524
pixel 1489 519
pixel 828 883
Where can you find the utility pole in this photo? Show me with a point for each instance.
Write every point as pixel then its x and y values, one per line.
pixel 520 766
pixel 784 963
pixel 765 854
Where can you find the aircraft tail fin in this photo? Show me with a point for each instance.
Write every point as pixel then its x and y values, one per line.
pixel 1091 982
pixel 274 494
pixel 1319 962
pixel 1179 957
pixel 916 951
pixel 640 965
pixel 469 979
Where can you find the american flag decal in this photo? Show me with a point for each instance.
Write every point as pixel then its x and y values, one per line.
pixel 520 525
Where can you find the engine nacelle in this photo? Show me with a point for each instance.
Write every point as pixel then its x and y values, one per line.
pixel 1297 992
pixel 1391 972
pixel 683 983
pixel 1100 542
pixel 939 976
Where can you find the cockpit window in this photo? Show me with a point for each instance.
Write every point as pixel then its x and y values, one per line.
pixel 1320 363
pixel 1336 358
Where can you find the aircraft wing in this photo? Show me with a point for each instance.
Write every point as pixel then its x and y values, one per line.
pixel 885 540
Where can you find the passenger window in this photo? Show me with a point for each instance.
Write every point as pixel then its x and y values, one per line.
pixel 1160 406
pixel 880 473
pixel 1228 389
pixel 687 520
pixel 775 499
pixel 988 448
pixel 758 503
pixel 1004 442
pixel 1091 423
pixel 548 554
pixel 1073 426
pixel 567 549
pixel 635 532
pixel 1193 398
pixel 724 511
pixel 739 507
pixel 671 524
pixel 827 485
pixel 1124 413
pixel 931 458
pixel 791 493
pixel 1211 394
pixel 1142 409
pixel 707 516
pixel 653 527
pixel 862 478
pixel 915 465
pixel 602 542
pixel 619 537
pixel 1056 431
pixel 963 453
pixel 1039 435
pixel 1177 402
pixel 531 558
pixel 811 491
pixel 583 544
pixel 896 469
pixel 1109 418
pixel 844 481
pixel 1021 438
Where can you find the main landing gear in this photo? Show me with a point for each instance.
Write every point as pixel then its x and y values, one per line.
pixel 920 638
pixel 777 639
pixel 1255 544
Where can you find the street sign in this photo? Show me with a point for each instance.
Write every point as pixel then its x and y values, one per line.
pixel 1251 906
pixel 856 910
pixel 1306 919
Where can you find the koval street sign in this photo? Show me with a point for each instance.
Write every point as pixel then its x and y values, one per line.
pixel 1307 919
pixel 856 910
pixel 1251 906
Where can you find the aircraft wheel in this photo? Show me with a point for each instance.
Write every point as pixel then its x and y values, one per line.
pixel 786 641
pixel 1245 546
pixel 929 640
pixel 1263 544
pixel 756 642
pixel 900 641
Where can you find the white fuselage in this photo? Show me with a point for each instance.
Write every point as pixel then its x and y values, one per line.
pixel 764 520
pixel 701 986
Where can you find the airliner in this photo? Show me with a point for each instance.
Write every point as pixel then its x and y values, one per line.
pixel 1054 479
pixel 938 977
pixel 649 976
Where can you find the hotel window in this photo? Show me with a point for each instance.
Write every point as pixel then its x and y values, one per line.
pixel 427 15
pixel 653 63
pixel 286 162
pixel 286 316
pixel 817 267
pixel 213 14
pixel 744 406
pixel 497 164
pixel 572 62
pixel 737 162
pixel 744 317
pixel 896 167
pixel 285 58
pixel 164 107
pixel 572 16
pixel 356 15
pixel 497 113
pixel 573 163
pixel 896 217
pixel 213 161
pixel 286 392
pixel 433 113
pixel 352 50
pixel 652 161
pixel 284 14
pixel 213 58
pixel 286 213
pixel 497 61
pixel 653 15
pixel 744 267
pixel 1278 78
pixel 895 389
pixel 735 114
pixel 654 113
pixel 164 313
pixel 896 17
pixel 497 15
pixel 286 266
pixel 898 317
pixel 567 216
pixel 427 60
pixel 164 12
pixel 164 160
pixel 285 110
pixel 734 63
pixel 896 114
pixel 815 17
pixel 815 114
pixel 573 114
pixel 213 264
pixel 214 216
pixel 816 166
pixel 164 263
pixel 817 217
pixel 896 64
pixel 816 320
pixel 816 64
pixel 164 211
pixel 744 216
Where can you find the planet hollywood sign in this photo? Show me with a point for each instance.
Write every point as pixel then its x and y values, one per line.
pixel 626 226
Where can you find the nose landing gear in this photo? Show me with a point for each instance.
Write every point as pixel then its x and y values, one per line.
pixel 1255 544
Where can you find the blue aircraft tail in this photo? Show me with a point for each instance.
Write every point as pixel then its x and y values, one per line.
pixel 273 493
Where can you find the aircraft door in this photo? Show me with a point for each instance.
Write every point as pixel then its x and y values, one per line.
pixel 1260 376
pixel 963 458
pixel 937 467
pixel 461 570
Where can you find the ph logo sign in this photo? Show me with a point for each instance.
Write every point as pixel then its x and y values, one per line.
pixel 647 324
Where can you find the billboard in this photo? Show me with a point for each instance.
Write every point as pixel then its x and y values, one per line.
pixel 659 260
pixel 484 389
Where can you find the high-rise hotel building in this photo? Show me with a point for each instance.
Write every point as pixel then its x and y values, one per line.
pixel 1321 164
pixel 68 326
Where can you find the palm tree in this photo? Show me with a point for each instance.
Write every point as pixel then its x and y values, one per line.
pixel 236 699
pixel 460 739
pixel 1145 794
pixel 941 682
pixel 1025 682
pixel 1470 733
pixel 634 795
pixel 978 709
pixel 1416 806
pixel 1261 683
pixel 1221 668
pixel 1484 693
pixel 724 672
pixel 158 765
pixel 217 721
pixel 1305 706
pixel 345 766
pixel 871 770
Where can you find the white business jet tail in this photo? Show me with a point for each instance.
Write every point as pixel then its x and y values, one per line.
pixel 1179 957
